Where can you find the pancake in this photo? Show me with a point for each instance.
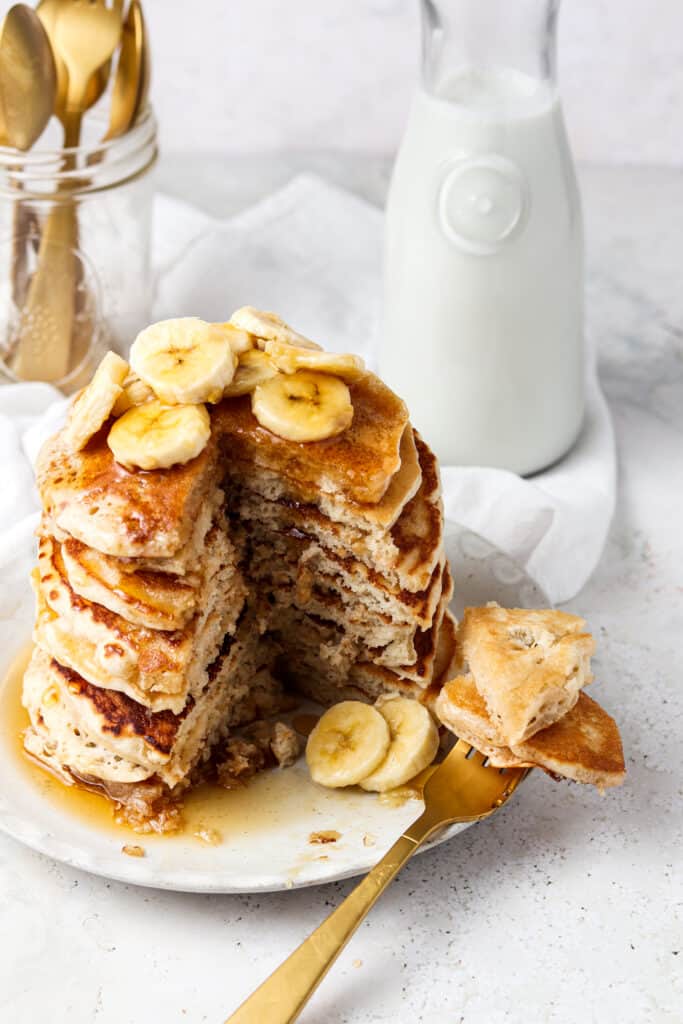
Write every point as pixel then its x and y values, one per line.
pixel 407 554
pixel 147 598
pixel 386 623
pixel 417 535
pixel 279 486
pixel 87 731
pixel 156 667
pixel 358 464
pixel 419 667
pixel 529 666
pixel 584 745
pixel 156 600
pixel 376 590
pixel 57 739
pixel 89 496
pixel 91 572
pixel 461 707
pixel 378 679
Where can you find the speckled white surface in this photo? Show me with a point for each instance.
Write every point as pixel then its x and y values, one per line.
pixel 566 907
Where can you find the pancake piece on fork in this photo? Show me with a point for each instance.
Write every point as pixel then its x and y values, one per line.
pixel 529 665
pixel 517 695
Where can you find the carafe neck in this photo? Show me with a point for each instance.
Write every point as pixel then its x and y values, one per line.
pixel 487 35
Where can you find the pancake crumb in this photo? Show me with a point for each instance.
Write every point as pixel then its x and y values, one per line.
pixel 133 851
pixel 260 745
pixel 369 840
pixel 326 836
pixel 210 836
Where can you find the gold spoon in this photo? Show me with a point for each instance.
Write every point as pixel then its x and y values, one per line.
pixel 28 79
pixel 28 85
pixel 131 81
pixel 146 65
pixel 48 12
pixel 84 35
pixel 129 96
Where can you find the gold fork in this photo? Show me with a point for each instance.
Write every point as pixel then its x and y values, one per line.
pixel 462 789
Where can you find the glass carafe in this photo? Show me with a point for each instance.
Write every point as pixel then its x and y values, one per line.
pixel 483 305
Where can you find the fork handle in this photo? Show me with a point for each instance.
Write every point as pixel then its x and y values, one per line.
pixel 282 996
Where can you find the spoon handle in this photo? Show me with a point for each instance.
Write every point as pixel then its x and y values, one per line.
pixel 71 122
pixel 44 347
pixel 47 316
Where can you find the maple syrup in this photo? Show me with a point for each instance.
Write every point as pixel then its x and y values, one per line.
pixel 270 801
pixel 14 720
pixel 305 724
pixel 412 790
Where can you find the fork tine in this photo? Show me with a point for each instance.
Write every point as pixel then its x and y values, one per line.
pixel 478 758
pixel 469 752
pixel 462 747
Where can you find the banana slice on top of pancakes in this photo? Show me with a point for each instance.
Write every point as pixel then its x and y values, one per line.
pixel 298 391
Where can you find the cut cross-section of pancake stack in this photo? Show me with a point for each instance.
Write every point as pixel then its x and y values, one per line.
pixel 175 601
pixel 518 697
pixel 349 550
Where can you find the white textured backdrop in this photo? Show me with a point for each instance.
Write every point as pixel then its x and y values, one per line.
pixel 263 74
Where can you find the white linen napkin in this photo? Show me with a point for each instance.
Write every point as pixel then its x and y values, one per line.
pixel 313 253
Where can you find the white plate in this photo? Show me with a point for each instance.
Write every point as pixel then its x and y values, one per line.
pixel 266 827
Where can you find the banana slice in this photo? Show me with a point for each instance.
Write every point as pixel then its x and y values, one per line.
pixel 413 746
pixel 254 367
pixel 240 341
pixel 290 358
pixel 305 406
pixel 155 436
pixel 184 361
pixel 269 327
pixel 349 742
pixel 135 392
pixel 96 401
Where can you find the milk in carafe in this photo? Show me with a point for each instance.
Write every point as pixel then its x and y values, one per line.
pixel 483 302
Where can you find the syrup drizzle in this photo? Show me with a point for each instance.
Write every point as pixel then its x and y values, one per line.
pixel 271 800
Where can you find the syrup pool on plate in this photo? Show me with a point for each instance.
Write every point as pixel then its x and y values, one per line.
pixel 271 800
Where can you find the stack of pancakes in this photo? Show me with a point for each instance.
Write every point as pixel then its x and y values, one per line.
pixel 174 604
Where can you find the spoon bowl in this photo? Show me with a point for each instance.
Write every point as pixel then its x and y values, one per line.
pixel 131 81
pixel 48 11
pixel 86 35
pixel 28 78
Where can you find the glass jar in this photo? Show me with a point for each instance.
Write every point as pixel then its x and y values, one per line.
pixel 75 229
pixel 483 303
